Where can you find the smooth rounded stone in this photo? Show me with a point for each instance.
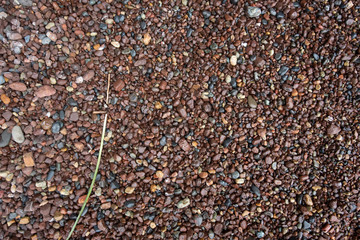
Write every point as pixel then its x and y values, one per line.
pixel 56 127
pixel 129 203
pixel 72 102
pixel 283 70
pixel 234 2
pixel 206 14
pixel 255 190
pixel 211 235
pixel 253 12
pixel 306 225
pixel 45 41
pixel 119 18
pixel 5 138
pixel 235 175
pixel 233 60
pixel 183 203
pixel 227 142
pixel 45 91
pixel 252 102
pixel 133 97
pixel 17 134
pixel 333 130
pixel 163 141
pixel 50 175
pixel 198 220
pixel 260 234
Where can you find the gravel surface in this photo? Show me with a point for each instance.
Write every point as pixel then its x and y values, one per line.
pixel 227 119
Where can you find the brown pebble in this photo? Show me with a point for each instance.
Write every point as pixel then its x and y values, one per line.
pixel 184 145
pixel 28 159
pixel 333 129
pixel 89 75
pixel 119 85
pixel 45 91
pixel 18 86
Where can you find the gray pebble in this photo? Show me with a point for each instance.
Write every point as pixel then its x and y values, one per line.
pixel 72 102
pixel 2 80
pixel 5 138
pixel 251 101
pixel 306 225
pixel 227 142
pixel 163 141
pixel 253 12
pixel 183 203
pixel 283 70
pixel 255 190
pixel 50 175
pixel 235 175
pixel 17 134
pixel 260 234
pixel 45 40
pixel 129 203
pixel 206 14
pixel 198 220
pixel 56 127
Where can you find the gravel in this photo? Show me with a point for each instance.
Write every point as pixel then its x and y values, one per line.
pixel 226 120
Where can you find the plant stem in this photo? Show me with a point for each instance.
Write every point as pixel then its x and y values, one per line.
pixel 93 180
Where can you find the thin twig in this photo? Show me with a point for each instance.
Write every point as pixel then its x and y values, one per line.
pixel 97 166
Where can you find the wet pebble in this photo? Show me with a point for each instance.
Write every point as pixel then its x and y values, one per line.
pixel 252 102
pixel 198 220
pixel 255 190
pixel 129 203
pixel 253 12
pixel 183 203
pixel 55 128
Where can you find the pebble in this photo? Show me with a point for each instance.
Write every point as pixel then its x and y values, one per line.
pixel 45 91
pixel 198 220
pixel 283 70
pixel 163 141
pixel 227 142
pixel 18 86
pixel 333 130
pixel 251 101
pixel 45 41
pixel 260 234
pixel 255 190
pixel 140 62
pixel 17 134
pixel 147 38
pixel 306 225
pixel 253 12
pixel 183 203
pixel 115 44
pixel 28 159
pixel 52 36
pixel 129 203
pixel 2 80
pixel 235 175
pixel 206 14
pixel 184 145
pixel 5 138
pixel 56 127
pixel 308 200
pixel 50 175
pixel 233 60
pixel 5 99
pixel 89 75
pixel 119 85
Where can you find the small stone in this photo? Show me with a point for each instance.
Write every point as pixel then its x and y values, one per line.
pixel 198 220
pixel 253 12
pixel 206 14
pixel 255 190
pixel 183 203
pixel 45 41
pixel 147 38
pixel 115 44
pixel 308 200
pixel 5 99
pixel 24 220
pixel 227 142
pixel 74 116
pixel 129 203
pixel 262 133
pixel 218 228
pixel 260 234
pixel 283 70
pixel 102 225
pixel 119 85
pixel 5 138
pixel 333 129
pixel 18 86
pixel 106 205
pixel 129 190
pixel 45 91
pixel 49 25
pixel 41 184
pixel 203 175
pixel 235 175
pixel 79 79
pixel 28 159
pixel 65 192
pixel 52 36
pixel 56 127
pixel 15 36
pixel 58 216
pixel 184 145
pixel 17 134
pixel 158 105
pixel 46 123
pixel 140 62
pixel 306 225
pixel 251 101
pixel 163 141
pixel 159 174
pixel 89 75
pixel 233 60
